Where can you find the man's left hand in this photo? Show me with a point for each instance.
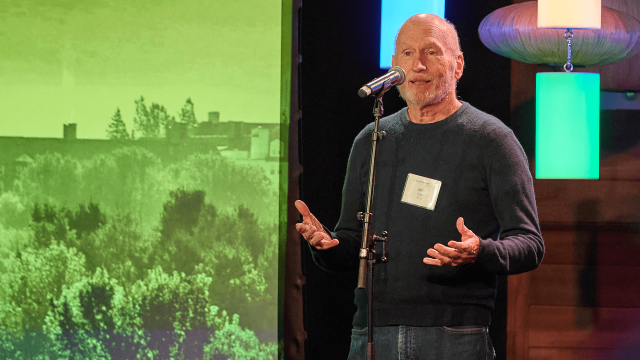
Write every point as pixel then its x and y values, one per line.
pixel 457 253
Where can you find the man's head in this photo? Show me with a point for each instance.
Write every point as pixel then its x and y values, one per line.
pixel 428 49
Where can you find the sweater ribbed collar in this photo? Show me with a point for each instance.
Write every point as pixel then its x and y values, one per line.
pixel 404 119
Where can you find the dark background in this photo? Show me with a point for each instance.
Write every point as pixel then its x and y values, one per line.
pixel 339 44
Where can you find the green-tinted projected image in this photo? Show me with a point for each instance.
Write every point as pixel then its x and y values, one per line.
pixel 139 178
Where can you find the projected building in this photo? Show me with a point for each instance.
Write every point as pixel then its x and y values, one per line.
pixel 257 144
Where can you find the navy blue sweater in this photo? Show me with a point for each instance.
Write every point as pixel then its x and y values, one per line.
pixel 485 179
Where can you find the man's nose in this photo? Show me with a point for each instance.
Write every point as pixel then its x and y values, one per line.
pixel 418 64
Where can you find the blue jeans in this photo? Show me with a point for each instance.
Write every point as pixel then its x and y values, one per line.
pixel 428 343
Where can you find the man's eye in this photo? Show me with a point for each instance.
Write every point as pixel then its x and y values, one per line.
pixel 432 52
pixel 407 53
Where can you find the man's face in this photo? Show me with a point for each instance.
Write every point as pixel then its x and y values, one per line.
pixel 431 67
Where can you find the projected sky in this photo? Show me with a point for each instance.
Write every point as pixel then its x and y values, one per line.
pixel 393 14
pixel 77 62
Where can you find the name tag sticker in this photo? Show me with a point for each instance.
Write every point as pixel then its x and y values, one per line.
pixel 421 191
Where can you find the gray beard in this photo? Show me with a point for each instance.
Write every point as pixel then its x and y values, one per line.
pixel 431 97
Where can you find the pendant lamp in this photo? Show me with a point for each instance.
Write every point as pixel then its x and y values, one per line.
pixel 513 31
pixel 568 104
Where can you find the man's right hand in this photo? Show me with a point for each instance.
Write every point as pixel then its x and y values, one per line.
pixel 311 229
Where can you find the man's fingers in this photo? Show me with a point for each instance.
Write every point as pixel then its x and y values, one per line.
pixel 303 209
pixel 318 239
pixel 329 244
pixel 457 245
pixel 430 261
pixel 306 230
pixel 456 253
pixel 312 230
pixel 307 216
pixel 462 229
pixel 440 259
pixel 322 241
pixel 446 251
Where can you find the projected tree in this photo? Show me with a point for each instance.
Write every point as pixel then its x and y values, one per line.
pixel 117 128
pixel 138 266
pixel 187 114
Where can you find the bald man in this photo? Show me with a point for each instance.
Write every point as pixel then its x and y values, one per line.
pixel 454 192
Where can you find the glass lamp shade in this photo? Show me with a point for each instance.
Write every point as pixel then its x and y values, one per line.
pixel 569 14
pixel 394 14
pixel 567 126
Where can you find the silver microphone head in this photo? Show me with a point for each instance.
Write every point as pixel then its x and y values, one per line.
pixel 378 86
pixel 399 70
pixel 364 91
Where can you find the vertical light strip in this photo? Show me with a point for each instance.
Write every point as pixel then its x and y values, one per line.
pixel 394 14
pixel 567 126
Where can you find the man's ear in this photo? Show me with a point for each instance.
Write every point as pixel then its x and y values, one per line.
pixel 393 60
pixel 459 66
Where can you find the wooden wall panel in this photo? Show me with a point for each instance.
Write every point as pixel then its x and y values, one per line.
pixel 576 285
pixel 583 327
pixel 583 302
pixel 588 201
pixel 616 245
pixel 518 316
pixel 577 354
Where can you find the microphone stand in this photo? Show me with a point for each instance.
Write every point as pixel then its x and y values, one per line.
pixel 369 238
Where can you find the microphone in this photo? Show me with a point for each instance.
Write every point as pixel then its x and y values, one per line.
pixel 395 76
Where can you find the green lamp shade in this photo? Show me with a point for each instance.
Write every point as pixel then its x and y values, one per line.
pixel 567 126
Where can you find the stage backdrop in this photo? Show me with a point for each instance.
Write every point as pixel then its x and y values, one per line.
pixel 140 161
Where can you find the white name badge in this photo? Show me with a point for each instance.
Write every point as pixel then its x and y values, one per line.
pixel 421 191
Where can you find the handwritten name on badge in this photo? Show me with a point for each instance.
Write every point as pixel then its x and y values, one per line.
pixel 421 191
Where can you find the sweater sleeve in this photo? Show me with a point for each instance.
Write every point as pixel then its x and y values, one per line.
pixel 344 256
pixel 519 247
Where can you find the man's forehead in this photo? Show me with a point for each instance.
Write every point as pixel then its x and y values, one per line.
pixel 420 40
pixel 422 31
pixel 426 30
